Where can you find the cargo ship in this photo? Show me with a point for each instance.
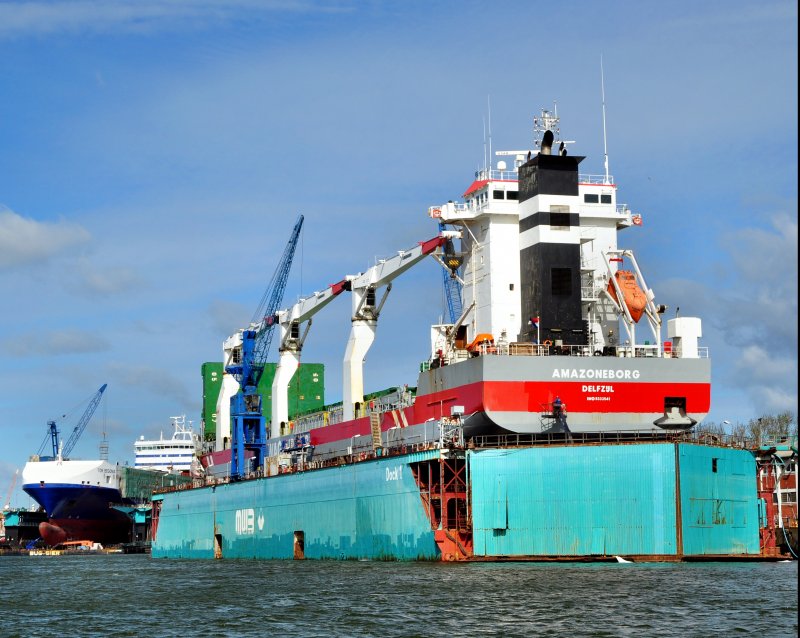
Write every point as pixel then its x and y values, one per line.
pixel 511 443
pixel 89 500
pixel 76 495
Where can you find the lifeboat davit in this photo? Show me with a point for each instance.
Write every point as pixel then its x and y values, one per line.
pixel 634 298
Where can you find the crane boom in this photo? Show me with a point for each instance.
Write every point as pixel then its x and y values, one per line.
pixel 81 426
pixel 247 420
pixel 268 315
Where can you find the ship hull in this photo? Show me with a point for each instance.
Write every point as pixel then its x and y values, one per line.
pixel 83 512
pixel 77 497
pixel 659 501
pixel 601 394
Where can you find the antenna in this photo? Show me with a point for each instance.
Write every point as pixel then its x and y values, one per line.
pixel 484 144
pixel 489 102
pixel 605 139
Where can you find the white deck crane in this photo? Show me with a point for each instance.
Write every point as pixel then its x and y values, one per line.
pixel 293 335
pixel 366 310
pixel 291 323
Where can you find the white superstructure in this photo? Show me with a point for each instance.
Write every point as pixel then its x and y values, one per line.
pixel 65 473
pixel 498 229
pixel 176 454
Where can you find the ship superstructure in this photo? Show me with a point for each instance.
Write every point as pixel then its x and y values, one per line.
pixel 548 290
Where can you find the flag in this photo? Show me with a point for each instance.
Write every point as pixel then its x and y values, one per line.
pixel 535 322
pixel 637 220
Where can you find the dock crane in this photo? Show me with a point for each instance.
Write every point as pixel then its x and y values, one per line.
pixel 10 492
pixel 450 280
pixel 366 310
pixel 246 366
pixel 53 431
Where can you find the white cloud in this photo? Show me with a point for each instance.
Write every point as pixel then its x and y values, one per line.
pixel 750 313
pixel 104 16
pixel 760 252
pixel 770 381
pixel 26 241
pixel 58 342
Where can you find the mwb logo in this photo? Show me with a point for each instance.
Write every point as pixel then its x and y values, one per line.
pixel 245 521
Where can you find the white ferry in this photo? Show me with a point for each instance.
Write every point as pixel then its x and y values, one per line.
pixel 177 454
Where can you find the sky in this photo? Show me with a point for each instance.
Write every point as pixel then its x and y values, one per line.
pixel 155 155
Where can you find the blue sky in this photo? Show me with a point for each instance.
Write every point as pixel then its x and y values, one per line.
pixel 154 156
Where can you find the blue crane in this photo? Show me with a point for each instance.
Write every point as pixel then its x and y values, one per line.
pixel 53 432
pixel 248 431
pixel 452 286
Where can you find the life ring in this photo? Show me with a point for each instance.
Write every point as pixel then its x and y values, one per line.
pixel 547 343
pixel 598 353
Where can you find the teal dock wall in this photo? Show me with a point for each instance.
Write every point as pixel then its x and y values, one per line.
pixel 652 500
pixel 370 510
pixel 605 500
pixel 719 501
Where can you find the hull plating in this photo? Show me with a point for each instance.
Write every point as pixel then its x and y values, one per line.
pixel 83 511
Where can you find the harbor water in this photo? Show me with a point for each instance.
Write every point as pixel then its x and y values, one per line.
pixel 136 595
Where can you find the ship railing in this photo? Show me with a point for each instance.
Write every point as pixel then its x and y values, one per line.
pixel 702 353
pixel 335 414
pixel 320 419
pixel 645 350
pixel 460 208
pixel 497 175
pixel 596 179
pixel 591 292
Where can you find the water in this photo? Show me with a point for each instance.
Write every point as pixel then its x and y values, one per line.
pixel 118 595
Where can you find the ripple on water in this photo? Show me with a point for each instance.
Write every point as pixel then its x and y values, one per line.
pixel 136 595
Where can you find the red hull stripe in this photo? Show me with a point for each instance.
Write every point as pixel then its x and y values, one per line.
pixel 580 396
pixel 535 397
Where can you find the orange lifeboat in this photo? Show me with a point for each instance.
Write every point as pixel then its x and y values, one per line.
pixel 481 339
pixel 634 298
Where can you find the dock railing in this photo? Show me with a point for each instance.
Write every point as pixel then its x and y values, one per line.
pixel 605 438
pixel 451 441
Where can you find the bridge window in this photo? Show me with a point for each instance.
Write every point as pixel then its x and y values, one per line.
pixel 498 194
pixel 605 199
pixel 512 194
pixel 591 198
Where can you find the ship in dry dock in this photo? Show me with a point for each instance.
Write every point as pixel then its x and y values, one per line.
pixel 551 418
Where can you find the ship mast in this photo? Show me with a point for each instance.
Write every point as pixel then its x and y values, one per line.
pixel 605 139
